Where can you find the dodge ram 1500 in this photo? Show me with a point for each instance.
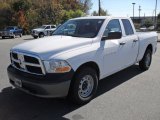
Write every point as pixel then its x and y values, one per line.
pixel 81 52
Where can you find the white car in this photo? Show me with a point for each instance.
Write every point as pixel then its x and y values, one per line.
pixel 81 52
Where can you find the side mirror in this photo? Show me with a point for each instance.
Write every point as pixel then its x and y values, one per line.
pixel 112 35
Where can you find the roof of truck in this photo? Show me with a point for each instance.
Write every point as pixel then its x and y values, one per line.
pixel 101 17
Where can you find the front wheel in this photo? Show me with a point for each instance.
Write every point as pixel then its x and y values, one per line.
pixel 145 63
pixel 84 85
pixel 35 37
pixel 41 35
pixel 20 35
pixel 13 37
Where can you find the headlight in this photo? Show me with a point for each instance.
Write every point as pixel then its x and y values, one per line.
pixel 57 66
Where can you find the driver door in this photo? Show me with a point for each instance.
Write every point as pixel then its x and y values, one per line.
pixel 112 49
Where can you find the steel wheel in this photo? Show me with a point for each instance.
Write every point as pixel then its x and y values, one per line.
pixel 148 60
pixel 145 63
pixel 86 86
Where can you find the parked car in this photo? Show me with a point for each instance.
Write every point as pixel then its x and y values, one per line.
pixel 44 30
pixel 12 32
pixel 151 28
pixel 80 53
pixel 143 28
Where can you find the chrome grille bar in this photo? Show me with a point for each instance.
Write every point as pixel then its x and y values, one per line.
pixel 23 64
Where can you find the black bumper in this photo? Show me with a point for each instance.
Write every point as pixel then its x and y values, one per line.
pixel 49 85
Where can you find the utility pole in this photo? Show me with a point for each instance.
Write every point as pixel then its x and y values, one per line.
pixel 133 10
pixel 139 12
pixel 99 8
pixel 155 14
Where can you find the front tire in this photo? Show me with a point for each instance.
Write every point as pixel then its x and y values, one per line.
pixel 35 37
pixel 84 85
pixel 145 63
pixel 20 35
pixel 41 35
pixel 13 37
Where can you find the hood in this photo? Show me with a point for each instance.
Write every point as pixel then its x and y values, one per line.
pixel 38 29
pixel 51 46
pixel 8 30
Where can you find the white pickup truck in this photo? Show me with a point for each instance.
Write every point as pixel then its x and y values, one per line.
pixel 81 52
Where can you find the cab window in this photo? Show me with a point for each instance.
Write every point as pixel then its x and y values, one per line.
pixel 127 27
pixel 48 27
pixel 113 26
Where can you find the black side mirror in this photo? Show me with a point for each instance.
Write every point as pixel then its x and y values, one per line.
pixel 112 35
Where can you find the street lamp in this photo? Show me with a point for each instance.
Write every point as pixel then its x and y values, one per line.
pixel 133 9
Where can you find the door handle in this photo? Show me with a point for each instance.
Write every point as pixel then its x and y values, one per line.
pixel 122 43
pixel 135 40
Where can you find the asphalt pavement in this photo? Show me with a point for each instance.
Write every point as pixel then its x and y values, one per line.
pixel 127 95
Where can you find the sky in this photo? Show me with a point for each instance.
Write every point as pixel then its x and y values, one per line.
pixel 124 8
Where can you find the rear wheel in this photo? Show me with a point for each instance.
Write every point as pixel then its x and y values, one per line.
pixel 145 63
pixel 3 37
pixel 84 85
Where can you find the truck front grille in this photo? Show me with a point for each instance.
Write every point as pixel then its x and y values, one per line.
pixel 27 63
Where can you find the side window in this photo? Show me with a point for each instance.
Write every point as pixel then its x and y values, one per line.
pixel 48 27
pixel 113 26
pixel 53 26
pixel 127 26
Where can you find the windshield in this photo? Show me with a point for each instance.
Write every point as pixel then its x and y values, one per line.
pixel 87 28
pixel 9 28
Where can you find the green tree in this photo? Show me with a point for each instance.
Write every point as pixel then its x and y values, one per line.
pixel 5 14
pixel 33 13
pixel 21 5
pixel 148 23
pixel 102 13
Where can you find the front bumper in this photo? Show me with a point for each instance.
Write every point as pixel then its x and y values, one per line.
pixel 7 34
pixel 34 35
pixel 49 85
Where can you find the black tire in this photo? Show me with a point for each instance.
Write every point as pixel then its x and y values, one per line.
pixel 35 37
pixel 41 35
pixel 20 35
pixel 13 37
pixel 75 93
pixel 3 37
pixel 145 63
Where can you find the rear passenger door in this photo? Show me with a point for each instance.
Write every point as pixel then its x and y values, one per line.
pixel 130 48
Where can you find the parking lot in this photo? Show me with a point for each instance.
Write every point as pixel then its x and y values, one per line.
pixel 128 95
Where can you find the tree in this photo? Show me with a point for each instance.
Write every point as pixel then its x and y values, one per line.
pixel 21 5
pixel 5 14
pixel 102 12
pixel 33 13
pixel 148 23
